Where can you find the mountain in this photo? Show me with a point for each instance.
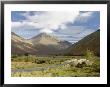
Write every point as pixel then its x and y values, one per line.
pixel 21 46
pixel 49 45
pixel 46 39
pixel 90 42
pixel 42 44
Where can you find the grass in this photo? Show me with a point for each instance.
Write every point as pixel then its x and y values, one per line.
pixel 28 62
pixel 71 72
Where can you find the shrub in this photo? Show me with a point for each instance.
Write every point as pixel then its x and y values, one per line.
pixel 26 54
pixel 80 65
pixel 89 54
pixel 14 56
pixel 40 61
pixel 96 67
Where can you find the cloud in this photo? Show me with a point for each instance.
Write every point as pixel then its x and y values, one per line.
pixel 22 25
pixel 74 33
pixel 48 21
pixel 84 16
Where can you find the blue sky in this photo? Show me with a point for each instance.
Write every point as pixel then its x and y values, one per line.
pixel 70 26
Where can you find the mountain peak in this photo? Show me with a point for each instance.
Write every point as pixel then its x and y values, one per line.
pixel 43 34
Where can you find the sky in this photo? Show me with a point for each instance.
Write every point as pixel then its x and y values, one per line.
pixel 71 26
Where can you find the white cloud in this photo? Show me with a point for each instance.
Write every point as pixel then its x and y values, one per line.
pixel 86 14
pixel 48 21
pixel 24 24
pixel 84 17
pixel 46 31
pixel 16 24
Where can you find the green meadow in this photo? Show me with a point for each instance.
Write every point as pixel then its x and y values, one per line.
pixel 55 66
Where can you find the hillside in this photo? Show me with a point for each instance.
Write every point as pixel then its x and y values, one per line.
pixel 90 42
pixel 21 46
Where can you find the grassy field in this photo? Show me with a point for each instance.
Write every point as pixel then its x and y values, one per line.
pixel 52 66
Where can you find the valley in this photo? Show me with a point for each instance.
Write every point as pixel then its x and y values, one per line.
pixel 47 56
